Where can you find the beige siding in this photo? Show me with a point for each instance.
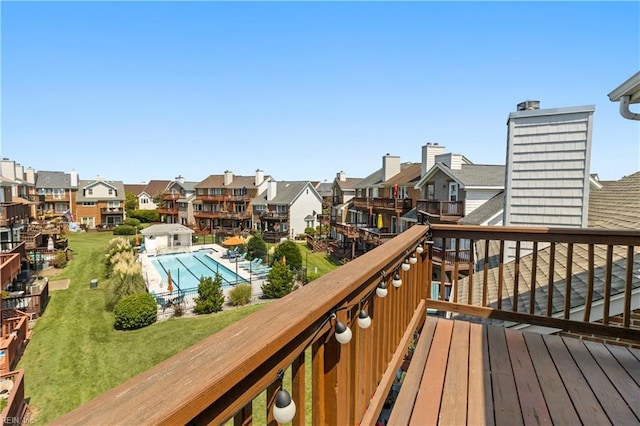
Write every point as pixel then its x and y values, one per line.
pixel 475 199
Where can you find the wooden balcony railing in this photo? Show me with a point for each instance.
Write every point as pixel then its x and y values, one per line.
pixel 379 203
pixel 274 237
pixel 577 280
pixel 32 304
pixel 9 267
pixel 13 213
pixel 171 211
pixel 452 258
pixel 222 215
pixel 375 236
pixel 277 216
pixel 218 379
pixel 15 410
pixel 14 336
pixel 442 210
pixel 225 198
pixel 111 210
pixel 170 196
pixel 348 230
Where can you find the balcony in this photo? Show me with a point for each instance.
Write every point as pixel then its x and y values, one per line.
pixel 222 215
pixel 446 211
pixel 375 236
pixel 462 372
pixel 348 230
pixel 171 196
pixel 274 216
pixel 169 211
pixel 224 198
pixel 15 412
pixel 398 205
pixel 11 213
pixel 274 236
pixel 111 210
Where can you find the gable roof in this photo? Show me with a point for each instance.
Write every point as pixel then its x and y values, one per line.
pixel 217 181
pixel 155 187
pixel 616 204
pixel 409 174
pixel 53 180
pixel 347 184
pixel 324 189
pixel 286 193
pixel 469 176
pixel 485 211
pixel 115 184
pixel 135 188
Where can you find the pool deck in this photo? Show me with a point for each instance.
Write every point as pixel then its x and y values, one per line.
pixel 159 285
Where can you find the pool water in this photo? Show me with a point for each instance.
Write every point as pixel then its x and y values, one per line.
pixel 187 268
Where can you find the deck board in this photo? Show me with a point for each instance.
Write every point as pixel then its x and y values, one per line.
pixel 617 410
pixel 532 404
pixel 556 396
pixel 476 374
pixel 454 397
pixel 505 395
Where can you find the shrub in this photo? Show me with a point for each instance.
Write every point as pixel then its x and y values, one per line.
pixel 116 245
pixel 126 278
pixel 135 311
pixel 256 247
pixel 309 231
pixel 133 222
pixel 60 260
pixel 279 281
pixel 240 295
pixel 145 216
pixel 210 297
pixel 290 251
pixel 124 230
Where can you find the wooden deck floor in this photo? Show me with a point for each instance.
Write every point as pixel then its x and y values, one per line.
pixel 464 373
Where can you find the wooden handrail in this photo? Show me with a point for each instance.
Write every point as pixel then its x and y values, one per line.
pixel 533 276
pixel 216 378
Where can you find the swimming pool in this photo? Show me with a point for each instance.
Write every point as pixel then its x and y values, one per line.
pixel 187 268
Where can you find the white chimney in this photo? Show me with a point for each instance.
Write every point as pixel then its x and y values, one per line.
pixel 259 177
pixel 272 189
pixel 453 161
pixel 429 152
pixel 228 177
pixel 31 176
pixel 179 179
pixel 19 171
pixel 342 176
pixel 8 169
pixel 390 166
pixel 74 179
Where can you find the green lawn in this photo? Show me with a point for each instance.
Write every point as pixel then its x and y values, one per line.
pixel 75 354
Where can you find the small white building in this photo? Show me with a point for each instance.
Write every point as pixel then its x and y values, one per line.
pixel 167 237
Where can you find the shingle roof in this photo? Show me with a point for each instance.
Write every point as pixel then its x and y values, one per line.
pixel 217 181
pixel 485 212
pixel 286 193
pixel 164 229
pixel 371 180
pixel 156 187
pixel 410 174
pixel 135 188
pixel 480 175
pixel 616 204
pixel 348 183
pixel 53 180
pixel 325 189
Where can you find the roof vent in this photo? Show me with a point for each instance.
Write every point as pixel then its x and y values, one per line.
pixel 528 105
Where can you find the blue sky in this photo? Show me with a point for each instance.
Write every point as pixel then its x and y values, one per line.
pixel 135 91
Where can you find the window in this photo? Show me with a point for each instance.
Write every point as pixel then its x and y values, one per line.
pixel 144 200
pixel 240 208
pixel 110 191
pixel 431 191
pixel 259 207
pixel 90 191
pixel 88 203
pixel 113 205
pixel 281 209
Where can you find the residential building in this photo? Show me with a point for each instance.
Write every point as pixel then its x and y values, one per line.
pixel 286 209
pixel 221 204
pixel 16 205
pixel 58 191
pixel 100 203
pixel 148 193
pixel 178 199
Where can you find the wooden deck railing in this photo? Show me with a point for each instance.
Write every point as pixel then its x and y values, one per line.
pixel 566 279
pixel 11 213
pixel 9 267
pixel 218 378
pixel 14 411
pixel 14 336
pixel 33 304
pixel 444 210
pixel 381 203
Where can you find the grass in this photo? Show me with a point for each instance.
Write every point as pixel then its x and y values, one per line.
pixel 75 354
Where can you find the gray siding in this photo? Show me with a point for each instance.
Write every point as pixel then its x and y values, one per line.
pixel 547 179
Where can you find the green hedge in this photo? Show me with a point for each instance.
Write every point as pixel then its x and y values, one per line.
pixel 124 230
pixel 135 311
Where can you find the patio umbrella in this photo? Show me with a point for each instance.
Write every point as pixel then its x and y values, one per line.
pixel 284 260
pixel 380 224
pixel 170 285
pixel 137 240
pixel 50 246
pixel 233 241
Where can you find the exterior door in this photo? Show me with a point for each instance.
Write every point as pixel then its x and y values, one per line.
pixel 453 191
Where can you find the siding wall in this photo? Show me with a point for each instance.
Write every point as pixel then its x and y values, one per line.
pixel 547 178
pixel 475 199
pixel 304 205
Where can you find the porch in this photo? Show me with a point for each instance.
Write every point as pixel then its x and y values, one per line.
pixel 219 378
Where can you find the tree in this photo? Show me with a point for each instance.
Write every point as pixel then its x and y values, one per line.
pixel 256 247
pixel 210 296
pixel 279 281
pixel 130 201
pixel 159 200
pixel 290 251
